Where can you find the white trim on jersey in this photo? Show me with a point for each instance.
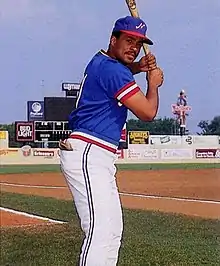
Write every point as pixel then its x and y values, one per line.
pixel 104 53
pixel 127 91
pixel 105 143
pixel 80 90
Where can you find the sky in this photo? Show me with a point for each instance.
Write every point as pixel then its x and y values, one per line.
pixel 47 42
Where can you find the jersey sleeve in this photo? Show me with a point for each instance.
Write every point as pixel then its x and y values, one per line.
pixel 119 82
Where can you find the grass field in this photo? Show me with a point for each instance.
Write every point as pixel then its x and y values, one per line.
pixel 150 238
pixel 12 169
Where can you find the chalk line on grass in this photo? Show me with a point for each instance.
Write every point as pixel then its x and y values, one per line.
pixel 31 186
pixel 123 194
pixel 169 198
pixel 32 215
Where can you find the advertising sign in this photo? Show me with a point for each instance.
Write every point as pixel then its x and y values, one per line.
pixel 207 153
pixel 171 140
pixel 165 140
pixel 3 139
pixel 43 152
pixel 24 131
pixel 176 154
pixel 141 152
pixel 208 141
pixel 3 135
pixel 35 110
pixel 8 152
pixel 71 89
pixel 138 137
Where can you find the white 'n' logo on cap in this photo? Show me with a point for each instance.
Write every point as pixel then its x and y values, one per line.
pixel 140 26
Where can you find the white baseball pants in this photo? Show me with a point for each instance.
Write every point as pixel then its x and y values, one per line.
pixel 90 174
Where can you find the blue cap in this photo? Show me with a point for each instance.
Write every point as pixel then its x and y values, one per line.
pixel 132 26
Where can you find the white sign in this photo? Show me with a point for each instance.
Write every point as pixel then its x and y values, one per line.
pixel 141 152
pixel 165 140
pixel 208 141
pixel 176 154
pixel 25 131
pixel 70 86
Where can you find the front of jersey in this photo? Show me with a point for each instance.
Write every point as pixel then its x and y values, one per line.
pixel 100 114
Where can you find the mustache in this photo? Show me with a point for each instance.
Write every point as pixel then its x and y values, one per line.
pixel 132 53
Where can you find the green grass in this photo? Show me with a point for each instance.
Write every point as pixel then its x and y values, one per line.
pixel 150 238
pixel 12 169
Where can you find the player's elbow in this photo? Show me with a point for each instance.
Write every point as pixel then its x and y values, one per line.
pixel 144 109
pixel 147 116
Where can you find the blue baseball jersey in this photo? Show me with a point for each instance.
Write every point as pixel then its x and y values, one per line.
pixel 100 113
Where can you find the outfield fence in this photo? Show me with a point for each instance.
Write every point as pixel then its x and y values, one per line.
pixel 160 149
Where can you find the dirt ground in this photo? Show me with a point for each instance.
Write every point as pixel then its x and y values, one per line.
pixel 189 192
pixel 11 219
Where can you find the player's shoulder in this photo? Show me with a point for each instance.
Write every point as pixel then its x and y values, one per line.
pixel 111 66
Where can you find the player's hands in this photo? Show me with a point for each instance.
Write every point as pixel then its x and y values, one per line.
pixel 65 145
pixel 155 77
pixel 147 63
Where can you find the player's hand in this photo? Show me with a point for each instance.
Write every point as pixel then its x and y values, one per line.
pixel 147 63
pixel 155 77
pixel 65 145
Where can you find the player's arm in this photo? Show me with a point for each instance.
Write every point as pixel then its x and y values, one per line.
pixel 145 106
pixel 145 64
pixel 134 67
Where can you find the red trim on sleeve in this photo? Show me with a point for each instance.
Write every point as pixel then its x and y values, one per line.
pixel 124 88
pixel 128 95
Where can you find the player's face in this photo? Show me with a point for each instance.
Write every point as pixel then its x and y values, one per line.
pixel 126 48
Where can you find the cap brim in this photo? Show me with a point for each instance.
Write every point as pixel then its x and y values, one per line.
pixel 136 34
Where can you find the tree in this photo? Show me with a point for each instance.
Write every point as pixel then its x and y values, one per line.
pixel 210 128
pixel 160 126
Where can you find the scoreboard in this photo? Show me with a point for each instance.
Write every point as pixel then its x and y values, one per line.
pixel 50 131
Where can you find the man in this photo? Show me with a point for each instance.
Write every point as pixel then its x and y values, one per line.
pixel 181 101
pixel 107 91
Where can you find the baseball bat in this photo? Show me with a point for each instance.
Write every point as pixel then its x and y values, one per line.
pixel 132 6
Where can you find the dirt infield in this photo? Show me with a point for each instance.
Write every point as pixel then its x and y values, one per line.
pixel 9 219
pixel 190 192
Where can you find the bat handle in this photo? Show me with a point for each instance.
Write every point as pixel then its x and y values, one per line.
pixel 146 49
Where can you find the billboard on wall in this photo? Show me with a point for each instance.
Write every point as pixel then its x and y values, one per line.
pixel 35 110
pixel 3 139
pixel 207 154
pixel 138 137
pixel 209 141
pixel 171 140
pixel 171 154
pixel 24 131
pixel 165 140
pixel 142 152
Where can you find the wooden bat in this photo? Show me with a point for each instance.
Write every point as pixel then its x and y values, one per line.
pixel 132 6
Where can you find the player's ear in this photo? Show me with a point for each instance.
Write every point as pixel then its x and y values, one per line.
pixel 113 41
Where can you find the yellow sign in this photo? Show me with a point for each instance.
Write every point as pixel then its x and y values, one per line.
pixel 3 134
pixel 138 137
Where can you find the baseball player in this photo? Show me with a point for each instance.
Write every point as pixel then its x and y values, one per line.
pixel 108 90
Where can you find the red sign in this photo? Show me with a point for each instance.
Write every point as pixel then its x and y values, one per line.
pixel 43 153
pixel 207 153
pixel 24 131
